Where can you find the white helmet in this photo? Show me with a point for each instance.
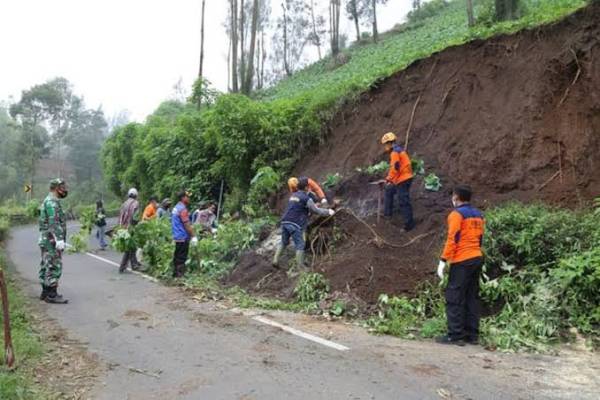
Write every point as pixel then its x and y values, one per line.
pixel 132 193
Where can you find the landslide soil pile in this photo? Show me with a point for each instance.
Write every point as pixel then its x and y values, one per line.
pixel 517 117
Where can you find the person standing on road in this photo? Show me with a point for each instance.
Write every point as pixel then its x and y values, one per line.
pixel 183 233
pixel 128 218
pixel 295 220
pixel 398 181
pixel 52 241
pixel 463 252
pixel 313 189
pixel 165 208
pixel 101 225
pixel 150 212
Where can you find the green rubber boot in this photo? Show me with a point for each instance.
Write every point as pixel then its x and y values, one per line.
pixel 277 256
pixel 300 259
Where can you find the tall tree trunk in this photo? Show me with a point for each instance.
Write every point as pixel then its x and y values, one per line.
pixel 357 26
pixel 242 44
pixel 314 26
pixel 263 60
pixel 286 65
pixel 201 67
pixel 229 65
pixel 234 47
pixel 250 70
pixel 334 26
pixel 470 17
pixel 375 31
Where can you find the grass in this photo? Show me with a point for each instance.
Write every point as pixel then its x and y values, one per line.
pixel 19 383
pixel 325 86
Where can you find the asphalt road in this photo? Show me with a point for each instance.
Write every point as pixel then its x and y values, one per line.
pixel 159 344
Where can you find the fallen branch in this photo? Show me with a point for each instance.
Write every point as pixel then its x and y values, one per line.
pixel 543 185
pixel 562 100
pixel 410 122
pixel 262 280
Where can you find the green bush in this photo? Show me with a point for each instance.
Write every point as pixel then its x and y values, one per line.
pixel 311 287
pixel 4 227
pixel 427 10
pixel 542 271
pixel 265 183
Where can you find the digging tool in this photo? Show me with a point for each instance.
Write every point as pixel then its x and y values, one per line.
pixel 379 183
pixel 8 347
pixel 220 200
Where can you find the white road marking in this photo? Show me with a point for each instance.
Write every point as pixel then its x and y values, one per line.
pixel 148 277
pixel 289 329
pixel 301 334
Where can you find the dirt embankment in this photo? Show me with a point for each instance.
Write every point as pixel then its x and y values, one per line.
pixel 516 117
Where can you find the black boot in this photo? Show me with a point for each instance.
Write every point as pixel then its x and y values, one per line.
pixel 44 292
pixel 54 298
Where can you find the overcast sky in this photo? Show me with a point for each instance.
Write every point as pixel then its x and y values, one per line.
pixel 121 54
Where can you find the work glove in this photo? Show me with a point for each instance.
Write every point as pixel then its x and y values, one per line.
pixel 60 245
pixel 213 230
pixel 194 241
pixel 331 212
pixel 324 202
pixel 440 269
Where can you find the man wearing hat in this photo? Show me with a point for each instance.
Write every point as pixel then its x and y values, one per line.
pixel 52 241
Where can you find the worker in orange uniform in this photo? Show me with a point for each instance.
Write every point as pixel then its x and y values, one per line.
pixel 151 209
pixel 463 253
pixel 398 181
pixel 314 190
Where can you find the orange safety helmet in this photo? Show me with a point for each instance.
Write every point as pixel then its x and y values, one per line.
pixel 388 137
pixel 293 184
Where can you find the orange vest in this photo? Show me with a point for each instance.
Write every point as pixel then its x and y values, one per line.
pixel 149 212
pixel 465 234
pixel 400 166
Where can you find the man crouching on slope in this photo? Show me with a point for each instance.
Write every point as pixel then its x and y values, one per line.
pixel 463 252
pixel 295 220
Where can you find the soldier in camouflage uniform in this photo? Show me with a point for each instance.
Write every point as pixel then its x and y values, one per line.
pixel 52 242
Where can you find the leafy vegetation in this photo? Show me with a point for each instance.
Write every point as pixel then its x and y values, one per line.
pixel 542 273
pixel 433 183
pixel 332 180
pixel 311 287
pixel 180 146
pixel 79 240
pixel 265 182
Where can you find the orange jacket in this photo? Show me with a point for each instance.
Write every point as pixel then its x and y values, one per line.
pixel 315 188
pixel 149 212
pixel 400 166
pixel 465 234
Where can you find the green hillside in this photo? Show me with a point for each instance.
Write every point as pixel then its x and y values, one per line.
pixel 324 84
pixel 235 136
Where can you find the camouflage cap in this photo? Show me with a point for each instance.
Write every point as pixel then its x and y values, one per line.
pixel 56 182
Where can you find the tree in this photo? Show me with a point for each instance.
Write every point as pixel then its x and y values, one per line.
pixel 470 17
pixel 334 26
pixel 233 34
pixel 291 35
pixel 200 69
pixel 355 9
pixel 507 9
pixel 85 140
pixel 372 12
pixel 317 24
pixel 247 85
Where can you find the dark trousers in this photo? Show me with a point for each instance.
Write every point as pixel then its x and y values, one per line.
pixel 128 257
pixel 403 192
pixel 180 256
pixel 462 299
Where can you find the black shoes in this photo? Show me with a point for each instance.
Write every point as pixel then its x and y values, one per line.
pixel 448 340
pixel 52 297
pixel 44 293
pixel 474 340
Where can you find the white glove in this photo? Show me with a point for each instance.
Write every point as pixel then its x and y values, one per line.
pixel 60 245
pixel 213 230
pixel 194 241
pixel 331 212
pixel 440 269
pixel 324 202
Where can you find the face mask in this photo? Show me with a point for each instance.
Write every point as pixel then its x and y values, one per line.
pixel 62 193
pixel 453 203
